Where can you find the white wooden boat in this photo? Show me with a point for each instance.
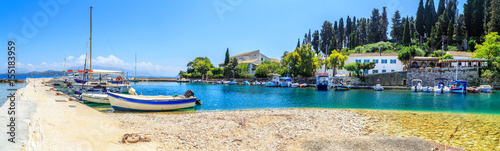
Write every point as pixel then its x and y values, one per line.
pixel 149 103
pixel 486 88
pixel 293 85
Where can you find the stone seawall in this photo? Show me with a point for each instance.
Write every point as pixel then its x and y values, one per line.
pixel 386 79
pixel 427 75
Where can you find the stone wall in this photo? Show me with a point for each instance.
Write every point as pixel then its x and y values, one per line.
pixel 386 79
pixel 428 75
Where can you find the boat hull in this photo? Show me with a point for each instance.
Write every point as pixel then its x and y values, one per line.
pixel 461 90
pixel 322 87
pixel 486 90
pixel 441 90
pixel 95 98
pixel 122 102
pixel 342 88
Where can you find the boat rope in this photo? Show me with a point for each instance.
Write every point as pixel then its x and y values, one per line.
pixel 134 138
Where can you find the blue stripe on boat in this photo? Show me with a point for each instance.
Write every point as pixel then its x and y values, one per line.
pixel 154 102
pixel 116 108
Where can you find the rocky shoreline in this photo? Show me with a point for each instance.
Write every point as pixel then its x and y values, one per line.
pixel 270 129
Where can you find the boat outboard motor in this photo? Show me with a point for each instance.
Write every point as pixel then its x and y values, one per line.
pixel 189 93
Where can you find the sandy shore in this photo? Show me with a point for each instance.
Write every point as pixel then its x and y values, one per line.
pixel 51 125
pixel 57 126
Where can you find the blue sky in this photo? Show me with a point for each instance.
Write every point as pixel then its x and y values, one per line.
pixel 166 35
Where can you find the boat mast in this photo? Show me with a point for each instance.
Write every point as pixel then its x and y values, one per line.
pixel 64 70
pixel 90 37
pixel 135 68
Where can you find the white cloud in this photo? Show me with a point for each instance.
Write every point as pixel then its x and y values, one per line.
pixel 143 68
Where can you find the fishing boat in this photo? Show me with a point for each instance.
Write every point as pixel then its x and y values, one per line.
pixel 245 83
pixel 459 87
pixel 293 85
pixel 256 83
pixel 486 88
pixel 151 103
pixel 285 81
pixel 232 82
pixel 303 85
pixel 95 97
pixel 274 81
pixel 441 87
pixel 378 87
pixel 427 89
pixel 182 80
pixel 341 83
pixel 104 79
pixel 416 85
pixel 473 89
pixel 322 82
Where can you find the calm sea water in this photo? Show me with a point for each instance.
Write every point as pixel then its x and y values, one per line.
pixel 235 97
pixel 4 93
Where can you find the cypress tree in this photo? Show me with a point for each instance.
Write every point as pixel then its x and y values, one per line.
pixel 468 17
pixel 419 23
pixel 459 32
pixel 226 60
pixel 406 32
pixel 450 33
pixel 430 16
pixel 336 29
pixel 326 36
pixel 374 27
pixel 412 27
pixel 298 43
pixel 348 26
pixel 354 27
pixel 441 8
pixel 396 32
pixel 362 32
pixel 478 16
pixel 384 22
pixel 494 22
pixel 315 42
pixel 309 40
pixel 341 33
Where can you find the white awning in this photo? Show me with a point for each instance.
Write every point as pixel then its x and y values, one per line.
pixel 97 71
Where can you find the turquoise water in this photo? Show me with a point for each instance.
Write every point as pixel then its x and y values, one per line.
pixel 4 93
pixel 235 97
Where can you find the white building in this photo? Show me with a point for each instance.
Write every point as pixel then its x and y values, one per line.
pixel 461 55
pixel 254 58
pixel 385 62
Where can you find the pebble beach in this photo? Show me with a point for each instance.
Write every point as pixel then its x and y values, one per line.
pixel 71 125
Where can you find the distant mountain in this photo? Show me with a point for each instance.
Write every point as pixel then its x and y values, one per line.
pixel 54 73
pixel 37 73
